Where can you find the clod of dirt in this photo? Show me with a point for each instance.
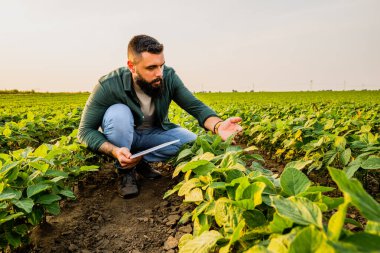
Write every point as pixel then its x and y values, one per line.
pixel 170 243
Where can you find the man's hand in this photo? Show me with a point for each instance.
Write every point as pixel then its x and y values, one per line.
pixel 229 127
pixel 123 156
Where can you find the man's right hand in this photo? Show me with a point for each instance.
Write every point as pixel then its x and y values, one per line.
pixel 123 156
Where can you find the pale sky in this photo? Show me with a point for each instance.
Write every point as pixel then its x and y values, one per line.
pixel 214 45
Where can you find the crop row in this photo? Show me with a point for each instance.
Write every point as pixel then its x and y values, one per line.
pixel 240 208
pixel 33 181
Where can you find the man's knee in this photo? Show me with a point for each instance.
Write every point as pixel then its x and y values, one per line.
pixel 117 116
pixel 184 135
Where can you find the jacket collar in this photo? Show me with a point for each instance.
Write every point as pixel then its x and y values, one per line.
pixel 127 79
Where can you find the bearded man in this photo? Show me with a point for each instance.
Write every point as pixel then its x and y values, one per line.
pixel 131 105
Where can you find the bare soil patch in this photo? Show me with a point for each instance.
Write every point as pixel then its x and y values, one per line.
pixel 100 221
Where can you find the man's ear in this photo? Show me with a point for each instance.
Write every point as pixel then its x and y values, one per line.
pixel 131 66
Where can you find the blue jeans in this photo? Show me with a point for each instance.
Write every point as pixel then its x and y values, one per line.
pixel 118 127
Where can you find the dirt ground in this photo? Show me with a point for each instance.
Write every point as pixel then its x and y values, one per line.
pixel 100 221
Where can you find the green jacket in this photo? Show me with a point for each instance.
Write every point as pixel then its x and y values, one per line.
pixel 116 87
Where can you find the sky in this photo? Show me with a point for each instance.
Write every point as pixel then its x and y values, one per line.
pixel 214 45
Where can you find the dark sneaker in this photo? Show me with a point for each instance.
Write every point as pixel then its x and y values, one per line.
pixel 127 185
pixel 145 170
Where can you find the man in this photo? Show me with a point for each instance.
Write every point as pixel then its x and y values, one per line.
pixel 131 107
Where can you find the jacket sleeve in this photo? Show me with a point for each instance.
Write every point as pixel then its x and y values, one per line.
pixel 92 117
pixel 187 101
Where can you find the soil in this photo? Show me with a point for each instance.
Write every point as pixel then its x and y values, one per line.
pixel 101 221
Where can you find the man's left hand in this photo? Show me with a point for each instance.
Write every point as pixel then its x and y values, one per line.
pixel 229 127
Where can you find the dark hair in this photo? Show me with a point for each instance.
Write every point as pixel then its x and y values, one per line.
pixel 143 43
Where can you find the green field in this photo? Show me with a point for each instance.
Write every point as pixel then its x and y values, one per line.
pixel 240 206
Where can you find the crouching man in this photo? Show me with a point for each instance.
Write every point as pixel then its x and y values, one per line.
pixel 131 105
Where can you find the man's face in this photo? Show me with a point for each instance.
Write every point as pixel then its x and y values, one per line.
pixel 147 72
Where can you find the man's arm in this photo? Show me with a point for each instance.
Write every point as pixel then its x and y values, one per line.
pixel 204 114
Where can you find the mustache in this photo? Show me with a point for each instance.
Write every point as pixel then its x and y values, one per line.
pixel 158 79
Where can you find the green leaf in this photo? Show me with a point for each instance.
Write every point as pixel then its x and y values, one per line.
pixel 254 192
pixel 354 190
pixel 184 153
pixel 200 209
pixel 254 218
pixel 194 195
pixel 371 163
pixel 34 175
pixel 7 167
pixel 3 205
pixel 353 167
pixel 88 168
pixel 222 211
pixel 340 142
pixel 218 185
pixel 56 179
pixel 246 204
pixel 35 189
pixel 188 185
pixel 294 182
pixel 373 227
pixel 41 151
pixel 353 222
pixel 67 193
pixel 329 156
pixel 13 239
pixel 7 132
pixel 204 243
pixel 9 193
pixel 53 208
pixel 194 164
pixel 11 217
pixel 204 169
pixel 21 229
pixel 257 249
pixel 25 204
pixel 299 210
pixel 363 242
pixel 200 224
pixel 336 222
pixel 345 156
pixel 279 224
pixel 281 243
pixel 174 190
pixel 48 199
pixel 332 203
pixel 41 167
pixel 365 129
pixel 329 124
pixel 320 189
pixel 185 218
pixel 243 184
pixel 238 231
pixel 308 239
pixel 35 217
pixel 56 173
pixel 299 165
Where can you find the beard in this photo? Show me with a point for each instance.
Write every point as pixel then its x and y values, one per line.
pixel 148 88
